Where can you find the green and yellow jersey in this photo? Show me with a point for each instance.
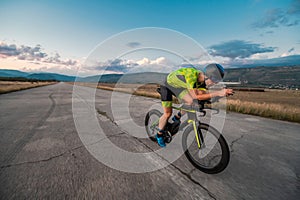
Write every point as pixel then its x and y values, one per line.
pixel 183 78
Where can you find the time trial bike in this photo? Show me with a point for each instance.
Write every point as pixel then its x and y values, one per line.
pixel 204 146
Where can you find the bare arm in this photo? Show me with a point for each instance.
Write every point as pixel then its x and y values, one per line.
pixel 203 95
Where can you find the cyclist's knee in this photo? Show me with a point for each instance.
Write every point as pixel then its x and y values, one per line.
pixel 168 114
pixel 189 101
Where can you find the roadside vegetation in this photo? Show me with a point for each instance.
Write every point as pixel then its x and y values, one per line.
pixel 275 104
pixel 10 85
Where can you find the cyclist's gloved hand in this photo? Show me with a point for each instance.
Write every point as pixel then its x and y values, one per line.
pixel 229 92
pixel 225 92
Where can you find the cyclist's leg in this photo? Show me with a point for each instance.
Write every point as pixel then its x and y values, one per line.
pixel 166 98
pixel 185 97
pixel 164 118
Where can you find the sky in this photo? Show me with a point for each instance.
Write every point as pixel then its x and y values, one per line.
pixel 114 36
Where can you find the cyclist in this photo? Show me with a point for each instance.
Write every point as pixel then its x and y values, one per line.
pixel 188 84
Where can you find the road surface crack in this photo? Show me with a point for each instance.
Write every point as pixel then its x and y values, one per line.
pixel 41 160
pixel 187 175
pixel 58 155
pixel 20 145
pixel 235 141
pixel 105 115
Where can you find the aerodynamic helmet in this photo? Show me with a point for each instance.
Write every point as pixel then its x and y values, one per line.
pixel 215 72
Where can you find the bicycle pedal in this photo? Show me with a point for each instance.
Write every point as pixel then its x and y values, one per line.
pixel 168 137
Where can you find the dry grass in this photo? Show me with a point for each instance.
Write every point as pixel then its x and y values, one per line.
pixel 270 110
pixel 283 97
pixel 12 86
pixel 148 90
pixel 276 104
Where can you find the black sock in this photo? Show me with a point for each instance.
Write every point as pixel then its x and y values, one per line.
pixel 159 135
pixel 178 116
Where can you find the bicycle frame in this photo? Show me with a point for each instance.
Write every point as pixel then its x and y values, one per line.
pixel 192 122
pixel 192 118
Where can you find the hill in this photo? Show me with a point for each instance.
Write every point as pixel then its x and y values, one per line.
pixel 142 78
pixel 12 73
pixel 265 76
pixel 6 73
pixel 283 77
pixel 51 76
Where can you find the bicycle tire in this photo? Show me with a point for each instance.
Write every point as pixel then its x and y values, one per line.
pixel 220 140
pixel 150 132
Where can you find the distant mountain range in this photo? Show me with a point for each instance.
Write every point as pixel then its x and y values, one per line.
pixel 147 77
pixel 38 76
pixel 266 76
pixel 258 76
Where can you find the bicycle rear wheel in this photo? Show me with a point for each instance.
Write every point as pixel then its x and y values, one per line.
pixel 213 157
pixel 151 123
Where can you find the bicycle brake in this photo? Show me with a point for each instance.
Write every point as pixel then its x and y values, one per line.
pixel 203 113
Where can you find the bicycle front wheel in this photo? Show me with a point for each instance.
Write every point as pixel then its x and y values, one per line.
pixel 151 123
pixel 213 156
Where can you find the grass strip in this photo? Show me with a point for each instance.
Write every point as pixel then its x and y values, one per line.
pixel 286 112
pixel 7 87
pixel 269 110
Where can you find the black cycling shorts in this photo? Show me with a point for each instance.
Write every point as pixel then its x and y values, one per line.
pixel 168 91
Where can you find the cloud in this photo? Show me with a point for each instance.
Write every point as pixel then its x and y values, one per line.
pixel 290 52
pixel 289 60
pixel 31 54
pixel 115 66
pixel 133 44
pixel 269 32
pixel 132 66
pixel 280 17
pixel 157 61
pixel 57 60
pixel 119 66
pixel 22 52
pixel 238 49
pixel 8 50
pixel 292 49
pixel 275 18
pixel 294 7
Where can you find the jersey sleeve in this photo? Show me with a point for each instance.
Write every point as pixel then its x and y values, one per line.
pixel 191 77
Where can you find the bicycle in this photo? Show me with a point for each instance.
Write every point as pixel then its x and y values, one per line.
pixel 204 146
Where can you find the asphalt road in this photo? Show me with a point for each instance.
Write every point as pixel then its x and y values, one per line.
pixel 43 155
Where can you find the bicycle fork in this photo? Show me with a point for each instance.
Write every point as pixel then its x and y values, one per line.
pixel 197 130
